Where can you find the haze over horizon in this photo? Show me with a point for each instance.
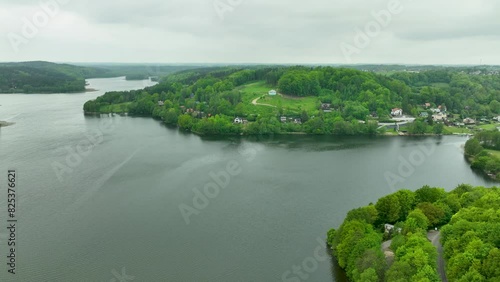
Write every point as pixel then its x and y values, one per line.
pixel 462 32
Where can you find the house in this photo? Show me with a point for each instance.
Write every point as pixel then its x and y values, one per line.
pixel 390 228
pixel 424 114
pixel 469 121
pixel 238 120
pixel 438 117
pixel 427 105
pixel 326 106
pixel 283 119
pixel 396 112
pixel 297 121
pixel 272 93
pixel 161 103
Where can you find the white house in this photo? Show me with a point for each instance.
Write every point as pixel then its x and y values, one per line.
pixel 283 119
pixel 397 112
pixel 272 93
pixel 390 227
pixel 238 120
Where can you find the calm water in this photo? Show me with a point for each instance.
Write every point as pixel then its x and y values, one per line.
pixel 112 209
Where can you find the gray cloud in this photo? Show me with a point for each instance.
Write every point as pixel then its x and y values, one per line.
pixel 254 31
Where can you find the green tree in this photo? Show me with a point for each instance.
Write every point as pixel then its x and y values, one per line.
pixel 389 209
pixel 473 147
pixel 438 128
pixel 186 122
pixel 368 214
pixel 406 199
pixel 434 213
pixel 416 220
pixel 369 275
pixel 170 116
pixel 429 195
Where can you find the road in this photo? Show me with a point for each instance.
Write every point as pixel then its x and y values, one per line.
pixel 434 237
pixel 254 102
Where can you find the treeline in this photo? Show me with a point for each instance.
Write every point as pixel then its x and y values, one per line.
pixel 357 244
pixel 461 91
pixel 30 80
pixel 476 149
pixel 340 87
pixel 472 238
pixel 195 107
pixel 44 77
pixel 355 100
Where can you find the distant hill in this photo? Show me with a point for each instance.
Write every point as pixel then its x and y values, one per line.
pixel 46 77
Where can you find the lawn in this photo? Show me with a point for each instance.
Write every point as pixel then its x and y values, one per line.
pixel 254 90
pixel 494 153
pixel 293 105
pixel 453 130
pixel 290 105
pixel 489 126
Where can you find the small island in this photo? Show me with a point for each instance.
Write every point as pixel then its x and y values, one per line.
pixel 426 235
pixel 263 100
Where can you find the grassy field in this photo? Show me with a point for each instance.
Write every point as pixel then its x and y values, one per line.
pixel 452 130
pixel 293 105
pixel 489 126
pixel 494 153
pixel 254 90
pixel 290 105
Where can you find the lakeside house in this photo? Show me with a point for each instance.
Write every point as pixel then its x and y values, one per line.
pixel 469 121
pixel 238 120
pixel 396 112
pixel 272 92
pixel 161 103
pixel 283 119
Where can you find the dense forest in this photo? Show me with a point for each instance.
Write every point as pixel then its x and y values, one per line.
pixel 470 233
pixel 338 101
pixel 42 77
pixel 45 77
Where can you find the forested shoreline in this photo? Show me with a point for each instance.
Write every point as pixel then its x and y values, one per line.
pixel 312 100
pixel 45 77
pixel 468 220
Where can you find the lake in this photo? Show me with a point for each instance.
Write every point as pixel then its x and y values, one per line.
pixel 111 197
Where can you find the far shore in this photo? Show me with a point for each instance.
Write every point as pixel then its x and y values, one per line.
pixel 4 123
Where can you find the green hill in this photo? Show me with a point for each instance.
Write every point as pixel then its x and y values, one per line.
pixel 45 77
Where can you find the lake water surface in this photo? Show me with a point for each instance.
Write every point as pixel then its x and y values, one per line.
pixel 113 211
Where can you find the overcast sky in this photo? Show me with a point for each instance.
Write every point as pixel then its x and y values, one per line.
pixel 252 31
